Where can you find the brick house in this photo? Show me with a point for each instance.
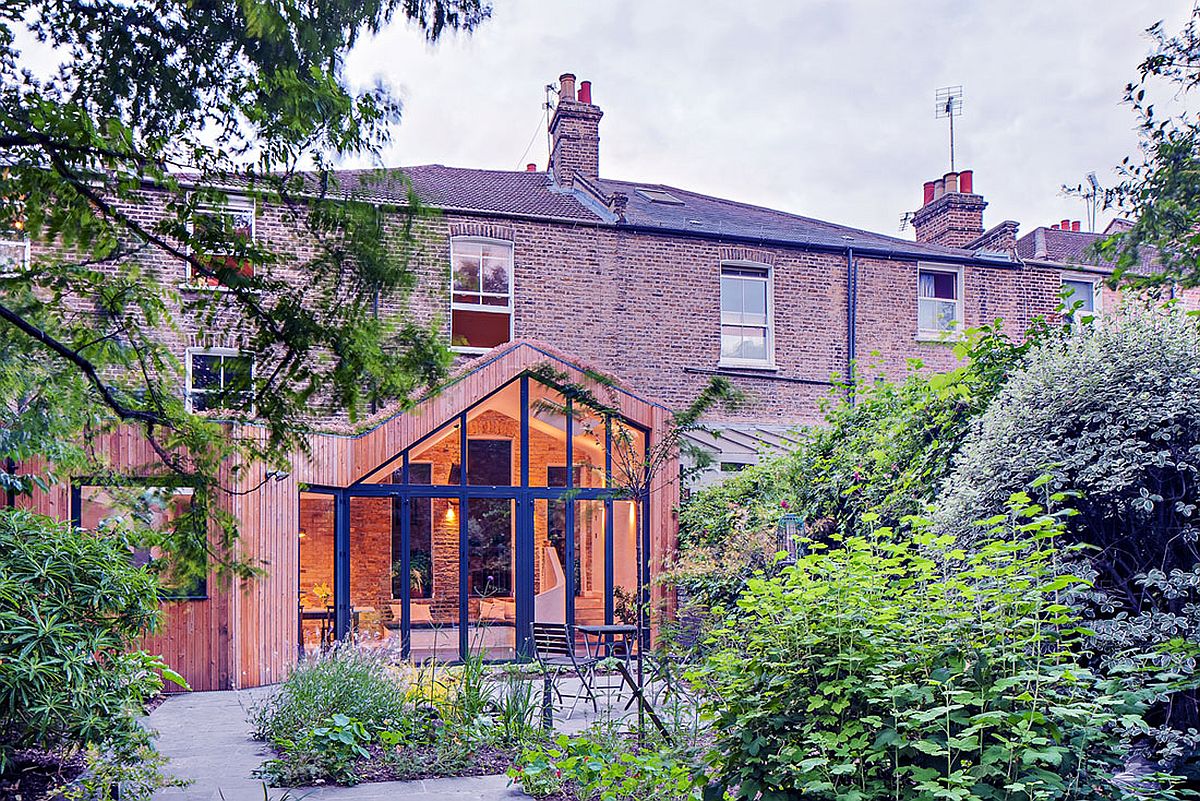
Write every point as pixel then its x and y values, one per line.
pixel 490 506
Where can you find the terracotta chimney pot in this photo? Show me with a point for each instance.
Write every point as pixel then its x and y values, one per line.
pixel 1075 226
pixel 951 181
pixel 585 92
pixel 566 86
pixel 966 182
pixel 928 193
pixel 939 188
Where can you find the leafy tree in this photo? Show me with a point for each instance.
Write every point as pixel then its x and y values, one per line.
pixel 1159 191
pixel 1112 416
pixel 112 164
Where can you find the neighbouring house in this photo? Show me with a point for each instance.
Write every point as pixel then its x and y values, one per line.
pixel 500 501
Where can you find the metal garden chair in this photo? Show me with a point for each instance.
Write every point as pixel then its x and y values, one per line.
pixel 554 651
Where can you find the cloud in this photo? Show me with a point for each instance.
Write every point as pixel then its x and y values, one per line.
pixel 820 108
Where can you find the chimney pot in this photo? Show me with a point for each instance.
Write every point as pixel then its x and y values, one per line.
pixel 928 193
pixel 531 167
pixel 1065 225
pixel 951 181
pixel 566 86
pixel 939 188
pixel 1075 225
pixel 1054 227
pixel 585 92
pixel 966 182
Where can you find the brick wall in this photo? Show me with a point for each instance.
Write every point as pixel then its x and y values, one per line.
pixel 644 307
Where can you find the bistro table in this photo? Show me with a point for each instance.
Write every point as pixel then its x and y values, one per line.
pixel 602 639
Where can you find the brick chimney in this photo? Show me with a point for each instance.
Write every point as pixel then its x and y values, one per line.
pixel 952 214
pixel 574 133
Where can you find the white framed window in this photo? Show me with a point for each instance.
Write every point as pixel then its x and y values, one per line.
pixel 481 294
pixel 220 378
pixel 1081 297
pixel 234 219
pixel 747 327
pixel 14 254
pixel 939 301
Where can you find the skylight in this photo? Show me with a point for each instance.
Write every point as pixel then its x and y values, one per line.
pixel 659 196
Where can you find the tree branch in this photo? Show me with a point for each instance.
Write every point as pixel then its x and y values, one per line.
pixel 85 366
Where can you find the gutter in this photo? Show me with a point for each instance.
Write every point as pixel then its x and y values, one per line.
pixel 866 250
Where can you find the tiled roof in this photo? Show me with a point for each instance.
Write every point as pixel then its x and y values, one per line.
pixel 704 214
pixel 535 194
pixel 1070 247
pixel 497 191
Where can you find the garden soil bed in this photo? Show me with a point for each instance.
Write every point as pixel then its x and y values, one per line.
pixel 423 763
pixel 34 775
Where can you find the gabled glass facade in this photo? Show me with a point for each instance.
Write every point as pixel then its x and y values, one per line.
pixel 529 505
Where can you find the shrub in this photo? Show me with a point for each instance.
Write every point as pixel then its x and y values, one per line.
pixel 885 455
pixel 1112 414
pixel 72 606
pixel 346 681
pixel 606 763
pixel 900 666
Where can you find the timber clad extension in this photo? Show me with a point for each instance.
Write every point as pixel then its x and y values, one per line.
pixel 493 504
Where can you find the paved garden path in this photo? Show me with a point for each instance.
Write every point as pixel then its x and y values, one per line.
pixel 207 739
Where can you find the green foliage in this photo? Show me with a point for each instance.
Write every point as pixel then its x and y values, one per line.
pixel 330 750
pixel 236 96
pixel 72 606
pixel 1112 415
pixel 604 763
pixel 347 681
pixel 352 711
pixel 1159 191
pixel 134 774
pixel 884 454
pixel 901 666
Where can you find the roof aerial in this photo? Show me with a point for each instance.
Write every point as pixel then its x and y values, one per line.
pixel 658 196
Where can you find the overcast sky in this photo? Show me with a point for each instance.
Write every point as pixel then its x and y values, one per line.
pixel 819 108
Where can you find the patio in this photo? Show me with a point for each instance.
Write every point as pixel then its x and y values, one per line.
pixel 207 738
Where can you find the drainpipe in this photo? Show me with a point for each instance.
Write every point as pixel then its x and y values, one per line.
pixel 375 314
pixel 851 321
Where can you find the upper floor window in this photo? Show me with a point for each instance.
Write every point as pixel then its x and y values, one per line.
pixel 481 294
pixel 220 378
pixel 231 222
pixel 939 300
pixel 746 324
pixel 14 254
pixel 1081 298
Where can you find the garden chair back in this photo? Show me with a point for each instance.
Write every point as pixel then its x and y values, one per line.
pixel 554 651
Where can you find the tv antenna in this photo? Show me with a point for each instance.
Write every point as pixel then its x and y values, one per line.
pixel 948 103
pixel 1092 197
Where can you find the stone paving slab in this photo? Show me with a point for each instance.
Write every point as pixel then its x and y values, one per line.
pixel 206 736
